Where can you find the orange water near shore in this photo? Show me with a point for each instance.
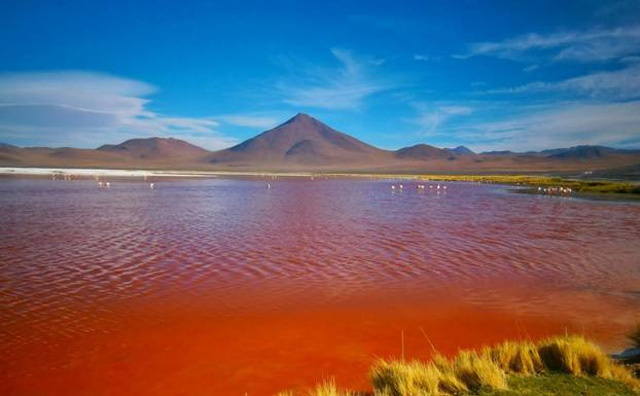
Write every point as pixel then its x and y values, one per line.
pixel 226 288
pixel 170 350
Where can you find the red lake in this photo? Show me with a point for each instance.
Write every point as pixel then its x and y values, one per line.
pixel 228 287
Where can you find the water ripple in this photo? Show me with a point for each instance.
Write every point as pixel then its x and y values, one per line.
pixel 69 250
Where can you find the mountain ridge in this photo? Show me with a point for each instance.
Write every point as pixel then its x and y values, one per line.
pixel 305 143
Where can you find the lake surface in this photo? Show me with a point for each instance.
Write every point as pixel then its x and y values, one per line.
pixel 226 286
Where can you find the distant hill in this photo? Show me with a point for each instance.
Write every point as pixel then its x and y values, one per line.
pixel 581 152
pixel 424 152
pixel 5 146
pixel 155 148
pixel 462 150
pixel 134 153
pixel 500 153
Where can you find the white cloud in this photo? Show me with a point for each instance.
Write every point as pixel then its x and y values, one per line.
pixel 344 87
pixel 578 46
pixel 557 125
pixel 85 109
pixel 616 85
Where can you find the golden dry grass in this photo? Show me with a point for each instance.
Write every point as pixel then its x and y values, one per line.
pixel 326 388
pixel 578 356
pixel 520 357
pixel 404 379
pixel 478 371
pixel 469 371
pixel 574 355
pixel 284 393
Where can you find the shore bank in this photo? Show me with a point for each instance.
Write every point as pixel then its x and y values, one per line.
pixel 561 365
pixel 588 188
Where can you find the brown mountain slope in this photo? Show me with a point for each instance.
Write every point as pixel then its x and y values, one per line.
pixel 135 153
pixel 424 152
pixel 155 148
pixel 302 141
pixel 59 157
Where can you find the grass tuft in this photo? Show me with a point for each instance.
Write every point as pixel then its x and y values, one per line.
pixel 574 355
pixel 392 378
pixel 329 388
pixel 517 357
pixel 478 371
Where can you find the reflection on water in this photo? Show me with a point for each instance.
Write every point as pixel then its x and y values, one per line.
pixel 77 260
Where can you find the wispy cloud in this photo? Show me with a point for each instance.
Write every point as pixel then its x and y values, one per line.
pixel 552 126
pixel 432 116
pixel 599 107
pixel 346 86
pixel 616 85
pixel 577 46
pixel 88 109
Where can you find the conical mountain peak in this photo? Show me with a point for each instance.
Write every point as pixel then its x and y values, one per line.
pixel 301 139
pixel 302 118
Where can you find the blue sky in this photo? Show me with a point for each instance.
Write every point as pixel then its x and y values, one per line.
pixel 491 75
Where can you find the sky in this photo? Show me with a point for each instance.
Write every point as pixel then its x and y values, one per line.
pixel 490 75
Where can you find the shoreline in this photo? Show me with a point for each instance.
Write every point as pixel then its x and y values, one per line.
pixel 586 188
pixel 102 172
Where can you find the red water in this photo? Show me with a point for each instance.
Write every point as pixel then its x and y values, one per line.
pixel 225 287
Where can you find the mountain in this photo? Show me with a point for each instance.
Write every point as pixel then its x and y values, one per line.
pixel 5 146
pixel 304 143
pixel 500 153
pixel 300 141
pixel 155 148
pixel 134 153
pixel 462 150
pixel 580 152
pixel 423 152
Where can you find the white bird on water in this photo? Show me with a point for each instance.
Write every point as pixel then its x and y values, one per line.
pixel 152 186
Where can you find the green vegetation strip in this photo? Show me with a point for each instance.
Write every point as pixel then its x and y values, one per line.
pixel 581 186
pixel 593 187
pixel 569 365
